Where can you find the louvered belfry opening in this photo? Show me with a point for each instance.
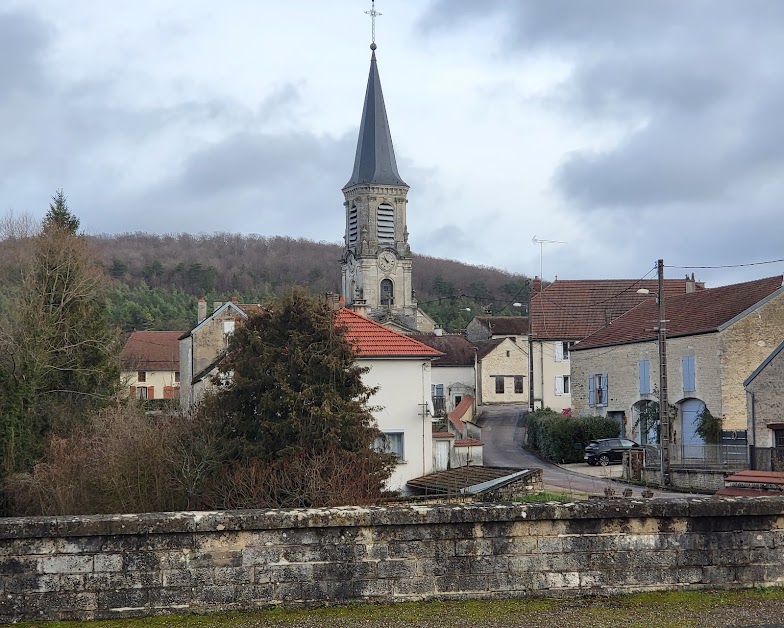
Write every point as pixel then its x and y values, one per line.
pixel 385 220
pixel 352 225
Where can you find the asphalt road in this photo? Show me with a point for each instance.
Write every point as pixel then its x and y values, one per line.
pixel 502 428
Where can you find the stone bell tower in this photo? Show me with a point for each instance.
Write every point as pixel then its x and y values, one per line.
pixel 376 263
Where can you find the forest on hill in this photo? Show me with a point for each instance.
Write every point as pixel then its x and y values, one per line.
pixel 157 278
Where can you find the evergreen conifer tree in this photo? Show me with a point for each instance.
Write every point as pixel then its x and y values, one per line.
pixel 294 384
pixel 59 215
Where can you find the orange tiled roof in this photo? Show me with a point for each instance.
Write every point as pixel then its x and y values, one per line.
pixel 152 351
pixel 569 309
pixel 469 442
pixel 444 435
pixel 371 339
pixel 689 314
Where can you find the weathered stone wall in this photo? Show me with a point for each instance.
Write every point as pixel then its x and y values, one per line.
pixel 766 407
pixel 118 566
pixel 690 480
pixel 744 346
pixel 496 363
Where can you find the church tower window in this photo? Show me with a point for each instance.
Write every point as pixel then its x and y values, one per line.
pixel 385 220
pixel 387 292
pixel 352 225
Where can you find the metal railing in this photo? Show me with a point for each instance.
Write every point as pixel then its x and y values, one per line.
pixel 701 456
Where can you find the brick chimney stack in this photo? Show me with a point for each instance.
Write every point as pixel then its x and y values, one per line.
pixel 536 284
pixel 691 284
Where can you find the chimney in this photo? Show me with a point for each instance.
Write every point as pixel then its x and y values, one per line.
pixel 201 310
pixel 360 307
pixel 691 284
pixel 334 301
pixel 216 305
pixel 234 300
pixel 537 284
pixel 438 331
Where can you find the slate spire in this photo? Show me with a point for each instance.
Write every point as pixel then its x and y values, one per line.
pixel 375 158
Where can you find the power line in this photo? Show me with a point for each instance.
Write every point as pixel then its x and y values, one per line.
pixel 772 261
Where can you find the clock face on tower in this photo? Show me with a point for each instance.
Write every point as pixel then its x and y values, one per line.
pixel 386 261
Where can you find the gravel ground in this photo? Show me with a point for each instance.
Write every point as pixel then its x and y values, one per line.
pixel 759 607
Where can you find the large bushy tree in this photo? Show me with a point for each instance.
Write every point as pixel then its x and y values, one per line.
pixel 58 353
pixel 294 383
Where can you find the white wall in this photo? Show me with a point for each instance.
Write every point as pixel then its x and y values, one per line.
pixel 461 379
pixel 546 369
pixel 403 386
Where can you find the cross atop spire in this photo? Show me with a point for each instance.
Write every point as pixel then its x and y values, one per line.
pixel 373 14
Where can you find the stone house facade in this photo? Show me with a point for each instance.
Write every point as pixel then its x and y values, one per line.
pixel 503 370
pixel 567 311
pixel 715 339
pixel 765 401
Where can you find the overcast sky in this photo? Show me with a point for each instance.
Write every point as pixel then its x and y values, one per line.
pixel 630 130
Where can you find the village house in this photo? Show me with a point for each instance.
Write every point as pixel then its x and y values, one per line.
pixel 503 370
pixel 399 367
pixel 715 339
pixel 765 401
pixel 150 365
pixel 567 311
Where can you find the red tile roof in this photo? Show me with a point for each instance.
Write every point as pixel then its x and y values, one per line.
pixel 505 325
pixel 457 350
pixel 469 442
pixel 689 314
pixel 456 416
pixel 573 309
pixel 442 435
pixel 152 351
pixel 372 339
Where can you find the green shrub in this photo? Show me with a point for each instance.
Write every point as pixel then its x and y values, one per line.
pixel 561 438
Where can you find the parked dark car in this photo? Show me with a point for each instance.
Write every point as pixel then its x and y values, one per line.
pixel 606 450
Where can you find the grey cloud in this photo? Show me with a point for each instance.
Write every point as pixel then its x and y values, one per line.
pixel 23 43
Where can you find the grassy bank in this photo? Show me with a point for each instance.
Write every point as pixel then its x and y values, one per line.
pixel 677 609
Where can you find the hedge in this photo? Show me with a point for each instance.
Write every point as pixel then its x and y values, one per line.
pixel 562 438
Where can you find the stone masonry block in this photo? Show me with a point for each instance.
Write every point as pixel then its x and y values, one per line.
pixel 67 563
pixel 107 562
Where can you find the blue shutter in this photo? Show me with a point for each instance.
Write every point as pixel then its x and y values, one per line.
pixel 645 377
pixel 591 393
pixel 688 374
pixel 605 391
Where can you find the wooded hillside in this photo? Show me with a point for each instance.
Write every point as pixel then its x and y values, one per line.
pixel 156 279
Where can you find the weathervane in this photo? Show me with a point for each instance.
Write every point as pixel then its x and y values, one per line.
pixel 373 13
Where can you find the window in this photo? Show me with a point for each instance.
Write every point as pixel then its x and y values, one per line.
pixel 176 377
pixel 392 443
pixel 689 380
pixel 644 370
pixel 387 292
pixel 499 384
pixel 141 376
pixel 561 350
pixel 385 223
pixel 228 327
pixel 141 392
pixel 437 390
pixel 562 385
pixel 597 390
pixel 518 384
pixel 778 438
pixel 508 353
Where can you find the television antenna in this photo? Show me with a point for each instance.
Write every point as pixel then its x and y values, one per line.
pixel 541 244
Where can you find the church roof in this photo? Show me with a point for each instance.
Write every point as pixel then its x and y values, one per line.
pixel 373 340
pixel 375 158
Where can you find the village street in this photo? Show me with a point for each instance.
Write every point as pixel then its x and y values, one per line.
pixel 502 432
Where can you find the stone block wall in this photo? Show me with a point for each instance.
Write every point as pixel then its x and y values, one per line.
pixel 141 565
pixel 690 480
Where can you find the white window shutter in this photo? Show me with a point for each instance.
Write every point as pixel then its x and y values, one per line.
pixel 559 385
pixel 558 350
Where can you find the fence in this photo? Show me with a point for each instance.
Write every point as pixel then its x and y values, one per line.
pixel 766 458
pixel 703 456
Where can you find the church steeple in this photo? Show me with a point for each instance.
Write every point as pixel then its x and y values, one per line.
pixel 374 162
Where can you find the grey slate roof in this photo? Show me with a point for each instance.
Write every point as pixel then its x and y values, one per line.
pixel 375 158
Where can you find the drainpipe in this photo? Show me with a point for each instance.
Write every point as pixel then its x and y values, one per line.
pixel 425 414
pixel 476 381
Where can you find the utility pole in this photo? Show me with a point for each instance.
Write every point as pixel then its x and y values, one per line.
pixel 664 415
